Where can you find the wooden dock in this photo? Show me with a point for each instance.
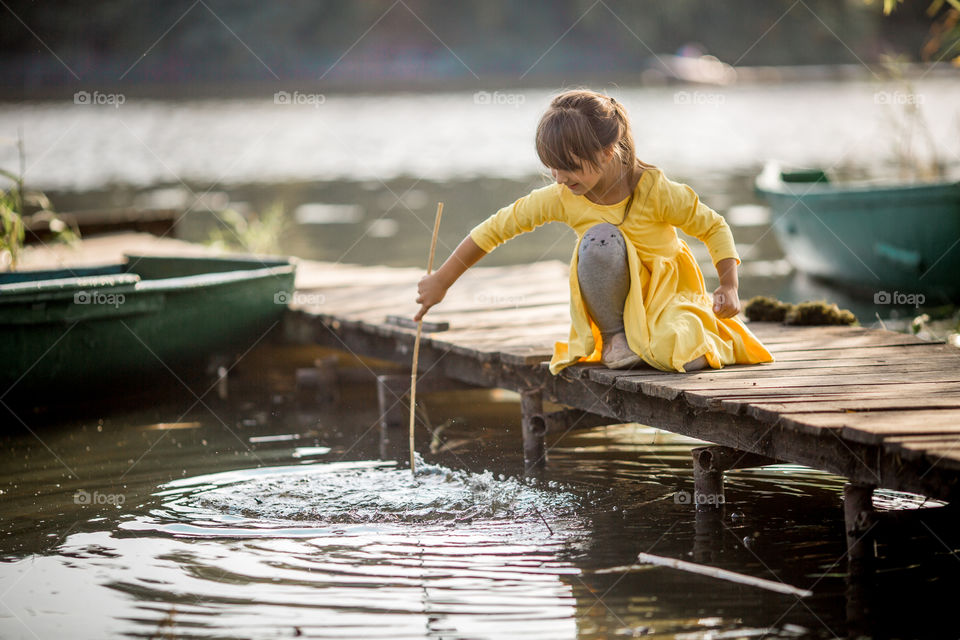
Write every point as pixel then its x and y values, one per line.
pixel 877 407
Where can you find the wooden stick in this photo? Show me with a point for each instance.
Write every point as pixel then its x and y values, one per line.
pixel 713 572
pixel 416 342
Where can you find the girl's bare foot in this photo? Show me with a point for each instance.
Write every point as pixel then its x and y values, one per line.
pixel 616 353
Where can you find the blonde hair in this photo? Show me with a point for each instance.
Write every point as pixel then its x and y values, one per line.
pixel 580 124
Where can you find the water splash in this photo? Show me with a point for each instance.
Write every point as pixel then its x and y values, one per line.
pixel 360 493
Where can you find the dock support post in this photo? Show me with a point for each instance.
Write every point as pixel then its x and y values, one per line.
pixel 707 535
pixel 857 511
pixel 709 463
pixel 707 480
pixel 218 367
pixel 534 428
pixel 319 382
pixel 391 389
pixel 857 506
pixel 393 398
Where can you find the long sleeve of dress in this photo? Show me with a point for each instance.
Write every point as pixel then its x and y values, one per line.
pixel 526 214
pixel 681 207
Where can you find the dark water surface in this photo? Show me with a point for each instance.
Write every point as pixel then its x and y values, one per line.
pixel 267 514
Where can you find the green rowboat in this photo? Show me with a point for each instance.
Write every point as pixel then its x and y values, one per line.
pixel 891 241
pixel 84 330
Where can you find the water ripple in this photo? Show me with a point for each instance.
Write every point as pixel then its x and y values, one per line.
pixel 306 500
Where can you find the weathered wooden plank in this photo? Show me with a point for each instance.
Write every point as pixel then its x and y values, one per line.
pixel 346 287
pixel 934 353
pixel 712 398
pixel 932 438
pixel 849 342
pixel 776 331
pixel 915 446
pixel 368 306
pixel 485 346
pixel 408 323
pixel 491 322
pixel 479 287
pixel 938 449
pixel 487 315
pixel 934 359
pixel 603 375
pixel 770 412
pixel 633 380
pixel 871 427
pixel 531 318
pixel 918 350
pixel 831 338
pixel 387 301
pixel 761 387
pixel 525 357
pixel 489 338
pixel 740 405
pixel 527 293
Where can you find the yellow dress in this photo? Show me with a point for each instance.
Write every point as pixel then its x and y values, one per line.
pixel 668 315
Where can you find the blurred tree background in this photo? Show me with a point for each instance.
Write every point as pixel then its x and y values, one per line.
pixel 225 46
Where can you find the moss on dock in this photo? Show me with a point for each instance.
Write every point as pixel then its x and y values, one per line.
pixel 766 309
pixel 815 313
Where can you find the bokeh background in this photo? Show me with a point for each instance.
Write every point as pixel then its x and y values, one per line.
pixel 330 129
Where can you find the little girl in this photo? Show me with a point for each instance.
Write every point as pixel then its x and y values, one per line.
pixel 636 292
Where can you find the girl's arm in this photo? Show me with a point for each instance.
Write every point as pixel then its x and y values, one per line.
pixel 726 301
pixel 681 207
pixel 433 287
pixel 529 212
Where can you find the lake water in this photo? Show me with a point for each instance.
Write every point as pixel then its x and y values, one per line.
pixel 689 131
pixel 266 515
